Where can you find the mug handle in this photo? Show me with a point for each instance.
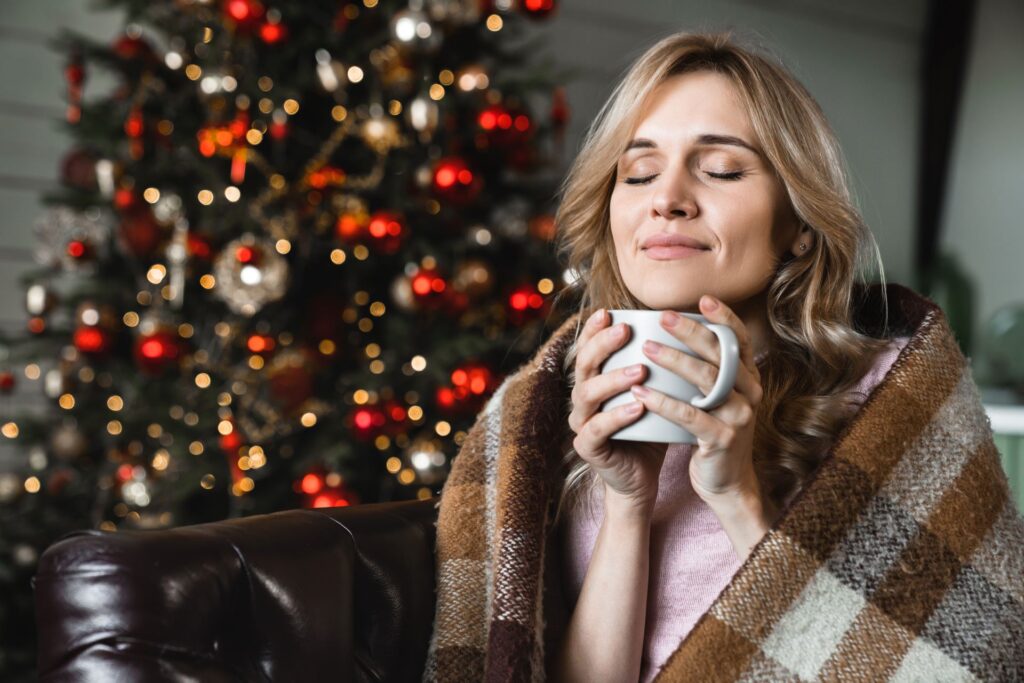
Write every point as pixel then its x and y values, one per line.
pixel 730 361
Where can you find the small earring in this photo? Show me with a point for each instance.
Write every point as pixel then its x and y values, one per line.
pixel 803 246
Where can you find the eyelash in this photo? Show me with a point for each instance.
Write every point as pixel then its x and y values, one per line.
pixel 735 175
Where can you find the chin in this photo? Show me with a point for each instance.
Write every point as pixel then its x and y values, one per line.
pixel 663 303
pixel 655 296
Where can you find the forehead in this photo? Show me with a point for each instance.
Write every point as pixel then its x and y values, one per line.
pixel 689 104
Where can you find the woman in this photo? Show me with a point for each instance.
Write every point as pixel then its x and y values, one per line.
pixel 781 544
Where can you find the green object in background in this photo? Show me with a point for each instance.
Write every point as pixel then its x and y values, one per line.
pixel 947 284
pixel 1002 339
pixel 1011 451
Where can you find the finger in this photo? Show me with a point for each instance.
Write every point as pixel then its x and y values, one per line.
pixel 718 311
pixel 696 336
pixel 699 372
pixel 588 396
pixel 706 428
pixel 599 428
pixel 598 348
pixel 597 320
pixel 737 411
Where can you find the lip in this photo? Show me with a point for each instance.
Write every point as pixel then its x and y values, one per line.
pixel 671 252
pixel 666 239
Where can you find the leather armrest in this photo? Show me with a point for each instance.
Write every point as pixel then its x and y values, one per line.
pixel 339 593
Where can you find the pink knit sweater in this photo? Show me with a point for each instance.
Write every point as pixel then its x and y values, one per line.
pixel 691 559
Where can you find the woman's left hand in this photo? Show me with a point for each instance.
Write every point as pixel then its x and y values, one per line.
pixel 721 468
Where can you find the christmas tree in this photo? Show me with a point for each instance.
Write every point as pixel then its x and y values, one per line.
pixel 293 252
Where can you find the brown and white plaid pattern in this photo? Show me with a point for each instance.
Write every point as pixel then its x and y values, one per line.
pixel 901 560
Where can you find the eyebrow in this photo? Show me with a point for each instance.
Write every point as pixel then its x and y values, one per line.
pixel 702 139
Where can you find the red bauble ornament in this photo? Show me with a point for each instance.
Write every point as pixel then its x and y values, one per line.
pixel 58 481
pixel 6 381
pixel 134 125
pixel 505 127
pixel 350 227
pixel 429 288
pixel 132 48
pixel 559 108
pixel 157 351
pixel 396 415
pixel 139 232
pixel 124 198
pixel 260 343
pixel 80 250
pixel 537 9
pixel 91 340
pixel 318 494
pixel 291 379
pixel 455 181
pixel 74 74
pixel 198 246
pixel 243 12
pixel 387 230
pixel 324 490
pixel 78 169
pixel 248 255
pixel 470 384
pixel 272 33
pixel 525 302
pixel 278 131
pixel 367 422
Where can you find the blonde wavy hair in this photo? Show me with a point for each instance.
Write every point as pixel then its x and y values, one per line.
pixel 816 354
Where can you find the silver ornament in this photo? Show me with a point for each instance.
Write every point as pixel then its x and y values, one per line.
pixel 412 30
pixel 248 287
pixel 427 459
pixel 512 219
pixel 454 11
pixel 422 115
pixel 60 225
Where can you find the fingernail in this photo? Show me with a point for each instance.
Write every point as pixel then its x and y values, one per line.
pixel 640 390
pixel 619 330
pixel 710 303
pixel 670 318
pixel 652 347
pixel 634 407
pixel 633 371
pixel 598 316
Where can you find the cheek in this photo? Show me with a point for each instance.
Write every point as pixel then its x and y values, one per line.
pixel 621 224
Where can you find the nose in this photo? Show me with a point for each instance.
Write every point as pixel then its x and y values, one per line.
pixel 673 197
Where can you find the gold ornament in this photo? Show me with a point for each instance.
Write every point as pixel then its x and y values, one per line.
pixel 473 277
pixel 381 133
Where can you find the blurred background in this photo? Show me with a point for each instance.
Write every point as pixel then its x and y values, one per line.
pixel 256 256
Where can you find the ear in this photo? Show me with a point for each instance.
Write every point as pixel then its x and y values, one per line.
pixel 804 236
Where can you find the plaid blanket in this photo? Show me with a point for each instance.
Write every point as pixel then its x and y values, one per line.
pixel 902 559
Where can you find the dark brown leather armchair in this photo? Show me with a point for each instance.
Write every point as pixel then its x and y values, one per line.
pixel 333 594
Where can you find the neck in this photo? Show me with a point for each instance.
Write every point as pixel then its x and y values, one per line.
pixel 754 314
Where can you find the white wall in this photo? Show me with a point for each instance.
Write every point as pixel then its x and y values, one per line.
pixel 984 218
pixel 32 144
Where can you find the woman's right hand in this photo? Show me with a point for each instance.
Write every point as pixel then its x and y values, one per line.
pixel 630 469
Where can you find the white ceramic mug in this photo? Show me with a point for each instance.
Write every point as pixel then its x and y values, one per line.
pixel 644 325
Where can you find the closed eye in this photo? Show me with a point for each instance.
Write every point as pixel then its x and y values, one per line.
pixel 735 175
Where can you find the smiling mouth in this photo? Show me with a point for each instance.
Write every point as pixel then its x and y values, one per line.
pixel 671 252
